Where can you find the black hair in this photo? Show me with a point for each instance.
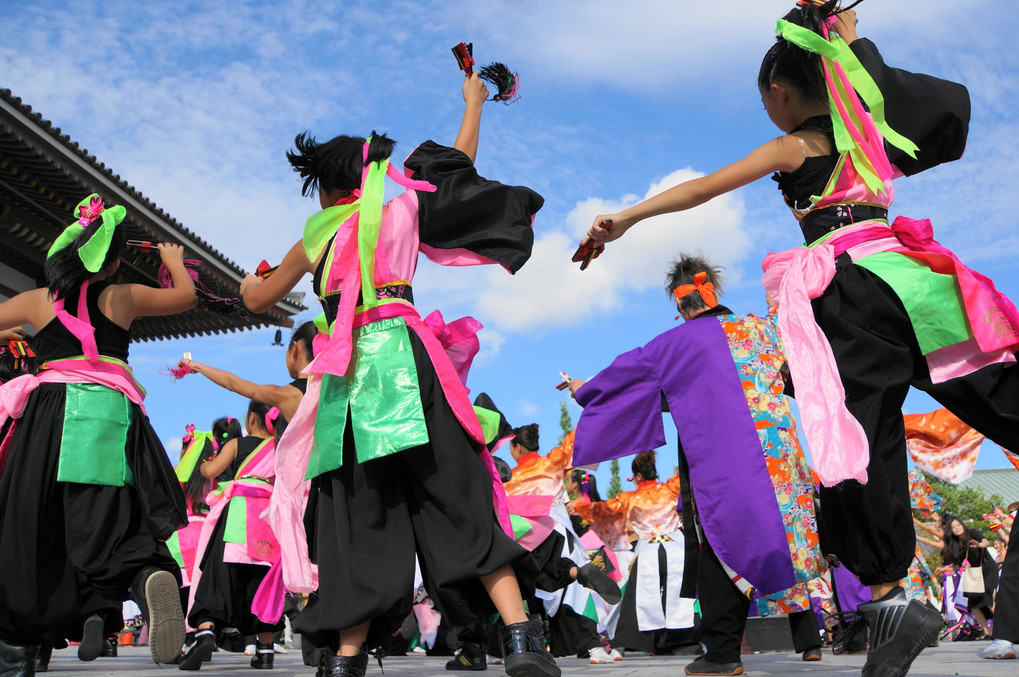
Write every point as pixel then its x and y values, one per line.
pixel 792 65
pixel 682 270
pixel 305 335
pixel 196 484
pixel 226 429
pixel 260 410
pixel 527 436
pixel 644 463
pixel 335 164
pixel 955 547
pixel 592 484
pixel 505 473
pixel 65 272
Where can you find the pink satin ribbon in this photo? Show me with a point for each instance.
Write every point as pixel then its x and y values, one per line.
pixel 80 326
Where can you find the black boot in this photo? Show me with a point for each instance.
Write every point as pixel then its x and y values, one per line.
pixel 899 630
pixel 470 657
pixel 201 651
pixel 524 652
pixel 344 666
pixel 91 638
pixel 42 661
pixel 18 661
pixel 264 656
pixel 157 594
pixel 109 647
pixel 593 577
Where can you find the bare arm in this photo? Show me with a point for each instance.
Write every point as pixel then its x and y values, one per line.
pixel 287 398
pixel 475 94
pixel 32 307
pixel 785 153
pixel 260 295
pixel 125 302
pixel 934 544
pixel 846 25
pixel 216 466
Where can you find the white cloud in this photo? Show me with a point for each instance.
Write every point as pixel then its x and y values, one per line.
pixel 527 408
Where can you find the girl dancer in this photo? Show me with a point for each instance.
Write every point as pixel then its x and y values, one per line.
pixel 894 308
pixel 88 496
pixel 387 430
pixel 237 547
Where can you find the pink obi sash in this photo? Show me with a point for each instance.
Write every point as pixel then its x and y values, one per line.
pixel 451 348
pixel 838 445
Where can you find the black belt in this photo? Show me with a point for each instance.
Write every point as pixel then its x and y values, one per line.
pixel 820 222
pixel 331 303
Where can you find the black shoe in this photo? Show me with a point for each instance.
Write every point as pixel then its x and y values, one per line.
pixel 344 666
pixel 109 647
pixel 91 638
pixel 17 661
pixel 158 596
pixel 264 655
pixel 899 631
pixel 811 655
pixel 702 666
pixel 232 641
pixel 470 657
pixel 524 652
pixel 592 577
pixel 42 660
pixel 201 651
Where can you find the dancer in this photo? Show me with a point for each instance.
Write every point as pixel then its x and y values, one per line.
pixel 300 352
pixel 88 496
pixel 237 548
pixel 387 416
pixel 721 375
pixel 654 611
pixel 893 307
pixel 1006 606
pixel 561 557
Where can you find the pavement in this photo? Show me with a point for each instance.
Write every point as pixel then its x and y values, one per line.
pixel 947 660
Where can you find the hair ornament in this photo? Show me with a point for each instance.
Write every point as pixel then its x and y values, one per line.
pixel 701 286
pixel 270 419
pixel 93 252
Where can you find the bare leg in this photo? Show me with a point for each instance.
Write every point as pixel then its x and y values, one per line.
pixel 352 639
pixel 502 587
pixel 264 638
pixel 981 619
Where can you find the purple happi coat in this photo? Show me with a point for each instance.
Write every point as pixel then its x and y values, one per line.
pixel 751 485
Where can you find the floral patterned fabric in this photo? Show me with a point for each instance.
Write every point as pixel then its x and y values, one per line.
pixel 647 513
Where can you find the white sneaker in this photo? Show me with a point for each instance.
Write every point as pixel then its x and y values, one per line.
pixel 599 655
pixel 616 656
pixel 249 650
pixel 999 648
pixel 277 648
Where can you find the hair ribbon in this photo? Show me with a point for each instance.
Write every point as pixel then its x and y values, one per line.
pixel 701 286
pixel 93 252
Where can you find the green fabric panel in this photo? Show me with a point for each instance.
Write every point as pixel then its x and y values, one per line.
pixel 94 436
pixel 520 526
pixel 236 529
pixel 589 609
pixel 933 300
pixel 173 543
pixel 697 607
pixel 330 426
pixel 489 423
pixel 385 398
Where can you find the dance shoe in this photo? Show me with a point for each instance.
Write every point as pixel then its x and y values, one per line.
pixel 899 630
pixel 158 596
pixel 524 651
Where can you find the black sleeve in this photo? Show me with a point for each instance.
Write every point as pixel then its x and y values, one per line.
pixel 470 212
pixel 932 113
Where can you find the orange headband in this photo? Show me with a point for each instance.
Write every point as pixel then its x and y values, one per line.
pixel 706 290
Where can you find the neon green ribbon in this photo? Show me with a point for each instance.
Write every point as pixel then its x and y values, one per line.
pixel 373 188
pixel 194 452
pixel 836 51
pixel 93 252
pixel 489 423
pixel 322 225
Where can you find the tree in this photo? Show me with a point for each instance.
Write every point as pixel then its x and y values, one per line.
pixel 565 421
pixel 615 485
pixel 966 503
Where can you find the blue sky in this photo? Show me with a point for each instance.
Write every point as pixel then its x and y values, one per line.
pixel 195 103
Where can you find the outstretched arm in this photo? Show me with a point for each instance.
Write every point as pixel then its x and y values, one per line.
pixel 285 398
pixel 475 94
pixel 215 466
pixel 785 153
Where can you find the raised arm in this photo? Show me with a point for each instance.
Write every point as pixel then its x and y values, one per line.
pixel 128 301
pixel 260 295
pixel 286 398
pixel 216 466
pixel 786 153
pixel 475 94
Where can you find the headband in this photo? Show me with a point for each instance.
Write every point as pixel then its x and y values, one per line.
pixel 93 252
pixel 705 289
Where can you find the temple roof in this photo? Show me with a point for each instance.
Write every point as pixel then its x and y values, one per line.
pixel 44 174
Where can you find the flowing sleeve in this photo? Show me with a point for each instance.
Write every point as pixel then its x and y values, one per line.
pixel 608 520
pixel 932 113
pixel 470 220
pixel 622 411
